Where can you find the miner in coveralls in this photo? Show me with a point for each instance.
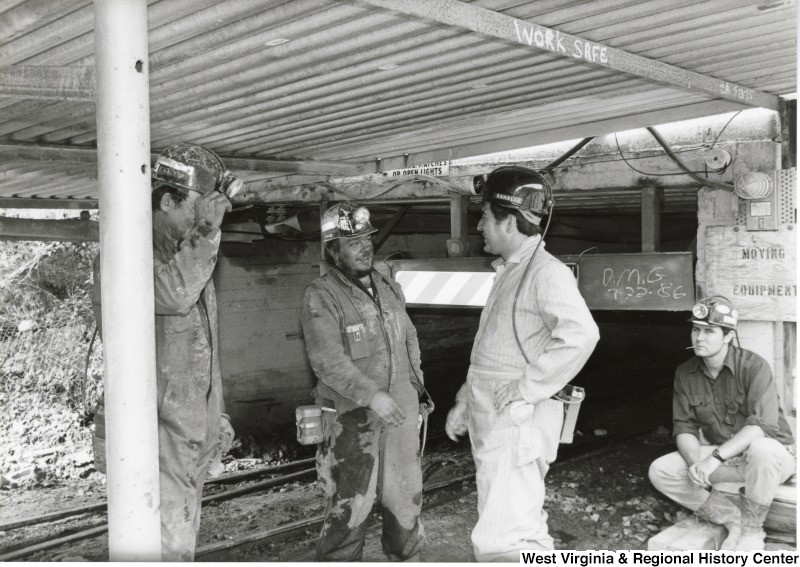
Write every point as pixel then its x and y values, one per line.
pixel 363 349
pixel 729 426
pixel 505 404
pixel 188 206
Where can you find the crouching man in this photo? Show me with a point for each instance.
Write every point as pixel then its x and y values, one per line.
pixel 363 348
pixel 725 396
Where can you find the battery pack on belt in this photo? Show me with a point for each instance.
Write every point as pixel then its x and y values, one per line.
pixel 571 396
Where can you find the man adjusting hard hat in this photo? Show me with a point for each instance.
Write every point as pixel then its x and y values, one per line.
pixel 190 194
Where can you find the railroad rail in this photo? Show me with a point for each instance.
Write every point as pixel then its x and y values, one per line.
pixel 102 507
pixel 566 453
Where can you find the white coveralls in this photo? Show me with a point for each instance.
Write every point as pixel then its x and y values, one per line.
pixel 513 449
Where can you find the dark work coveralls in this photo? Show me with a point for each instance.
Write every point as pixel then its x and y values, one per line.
pixel 358 345
pixel 190 404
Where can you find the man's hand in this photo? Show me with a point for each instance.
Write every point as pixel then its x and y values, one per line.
pixel 506 394
pixel 211 207
pixel 226 434
pixel 387 409
pixel 701 471
pixel 457 422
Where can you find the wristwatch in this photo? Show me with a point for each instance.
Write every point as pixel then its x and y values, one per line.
pixel 717 456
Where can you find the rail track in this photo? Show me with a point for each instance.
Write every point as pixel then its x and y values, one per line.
pixel 298 470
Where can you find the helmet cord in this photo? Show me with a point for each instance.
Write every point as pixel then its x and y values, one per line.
pixel 522 280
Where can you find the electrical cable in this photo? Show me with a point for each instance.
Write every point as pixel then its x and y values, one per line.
pixel 522 280
pixel 723 129
pixel 568 154
pixel 692 174
pixel 646 172
pixel 585 251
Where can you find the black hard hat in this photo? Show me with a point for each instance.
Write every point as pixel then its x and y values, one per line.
pixel 520 188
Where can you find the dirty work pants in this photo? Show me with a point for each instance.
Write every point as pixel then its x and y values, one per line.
pixel 763 467
pixel 512 451
pixel 182 472
pixel 361 458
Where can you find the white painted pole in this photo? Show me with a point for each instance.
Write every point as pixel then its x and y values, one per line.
pixel 126 256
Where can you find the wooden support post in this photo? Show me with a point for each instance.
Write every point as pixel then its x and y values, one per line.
pixel 458 245
pixel 788 134
pixel 652 201
pixel 387 228
pixel 66 230
pixel 323 266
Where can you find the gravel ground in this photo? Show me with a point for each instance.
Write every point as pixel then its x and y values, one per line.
pixel 600 499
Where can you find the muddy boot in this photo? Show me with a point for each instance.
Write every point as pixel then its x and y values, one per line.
pixel 753 515
pixel 720 509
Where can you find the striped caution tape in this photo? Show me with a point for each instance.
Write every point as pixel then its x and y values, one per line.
pixel 445 288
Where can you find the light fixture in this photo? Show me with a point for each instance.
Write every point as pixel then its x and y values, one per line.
pixel 753 185
pixel 277 41
pixel 388 67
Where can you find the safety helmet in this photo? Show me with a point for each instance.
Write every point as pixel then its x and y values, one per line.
pixel 346 220
pixel 195 168
pixel 715 311
pixel 520 188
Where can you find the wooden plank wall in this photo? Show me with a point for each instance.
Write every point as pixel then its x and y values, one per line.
pixel 262 353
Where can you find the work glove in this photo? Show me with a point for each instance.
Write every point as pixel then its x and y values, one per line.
pixel 226 435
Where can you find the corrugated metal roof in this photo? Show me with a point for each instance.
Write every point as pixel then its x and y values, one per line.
pixel 344 83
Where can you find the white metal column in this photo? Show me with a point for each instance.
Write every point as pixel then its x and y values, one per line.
pixel 123 163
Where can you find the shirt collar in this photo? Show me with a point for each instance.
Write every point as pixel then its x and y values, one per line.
pixel 698 366
pixel 350 282
pixel 729 357
pixel 522 253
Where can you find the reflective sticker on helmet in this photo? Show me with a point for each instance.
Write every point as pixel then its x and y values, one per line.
pixel 722 308
pixel 344 221
pixel 509 198
pixel 728 319
pixel 328 226
pixel 169 162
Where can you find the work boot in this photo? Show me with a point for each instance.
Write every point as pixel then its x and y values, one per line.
pixel 753 515
pixel 720 509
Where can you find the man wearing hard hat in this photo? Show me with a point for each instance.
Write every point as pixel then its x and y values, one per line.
pixel 535 334
pixel 190 194
pixel 363 349
pixel 729 426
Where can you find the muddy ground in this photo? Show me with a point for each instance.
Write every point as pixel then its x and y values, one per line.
pixel 597 498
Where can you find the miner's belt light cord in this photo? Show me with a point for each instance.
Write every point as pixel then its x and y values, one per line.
pixel 522 281
pixel 424 434
pixel 565 400
pixel 516 297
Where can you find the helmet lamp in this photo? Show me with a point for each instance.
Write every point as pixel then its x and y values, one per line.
pixel 700 311
pixel 715 311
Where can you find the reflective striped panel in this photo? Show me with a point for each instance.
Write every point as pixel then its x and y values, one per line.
pixel 469 289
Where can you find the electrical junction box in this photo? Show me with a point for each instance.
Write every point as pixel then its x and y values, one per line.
pixel 775 208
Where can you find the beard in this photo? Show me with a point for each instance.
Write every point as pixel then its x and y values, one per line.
pixel 356 268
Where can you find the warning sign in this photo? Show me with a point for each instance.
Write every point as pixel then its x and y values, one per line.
pixel 436 169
